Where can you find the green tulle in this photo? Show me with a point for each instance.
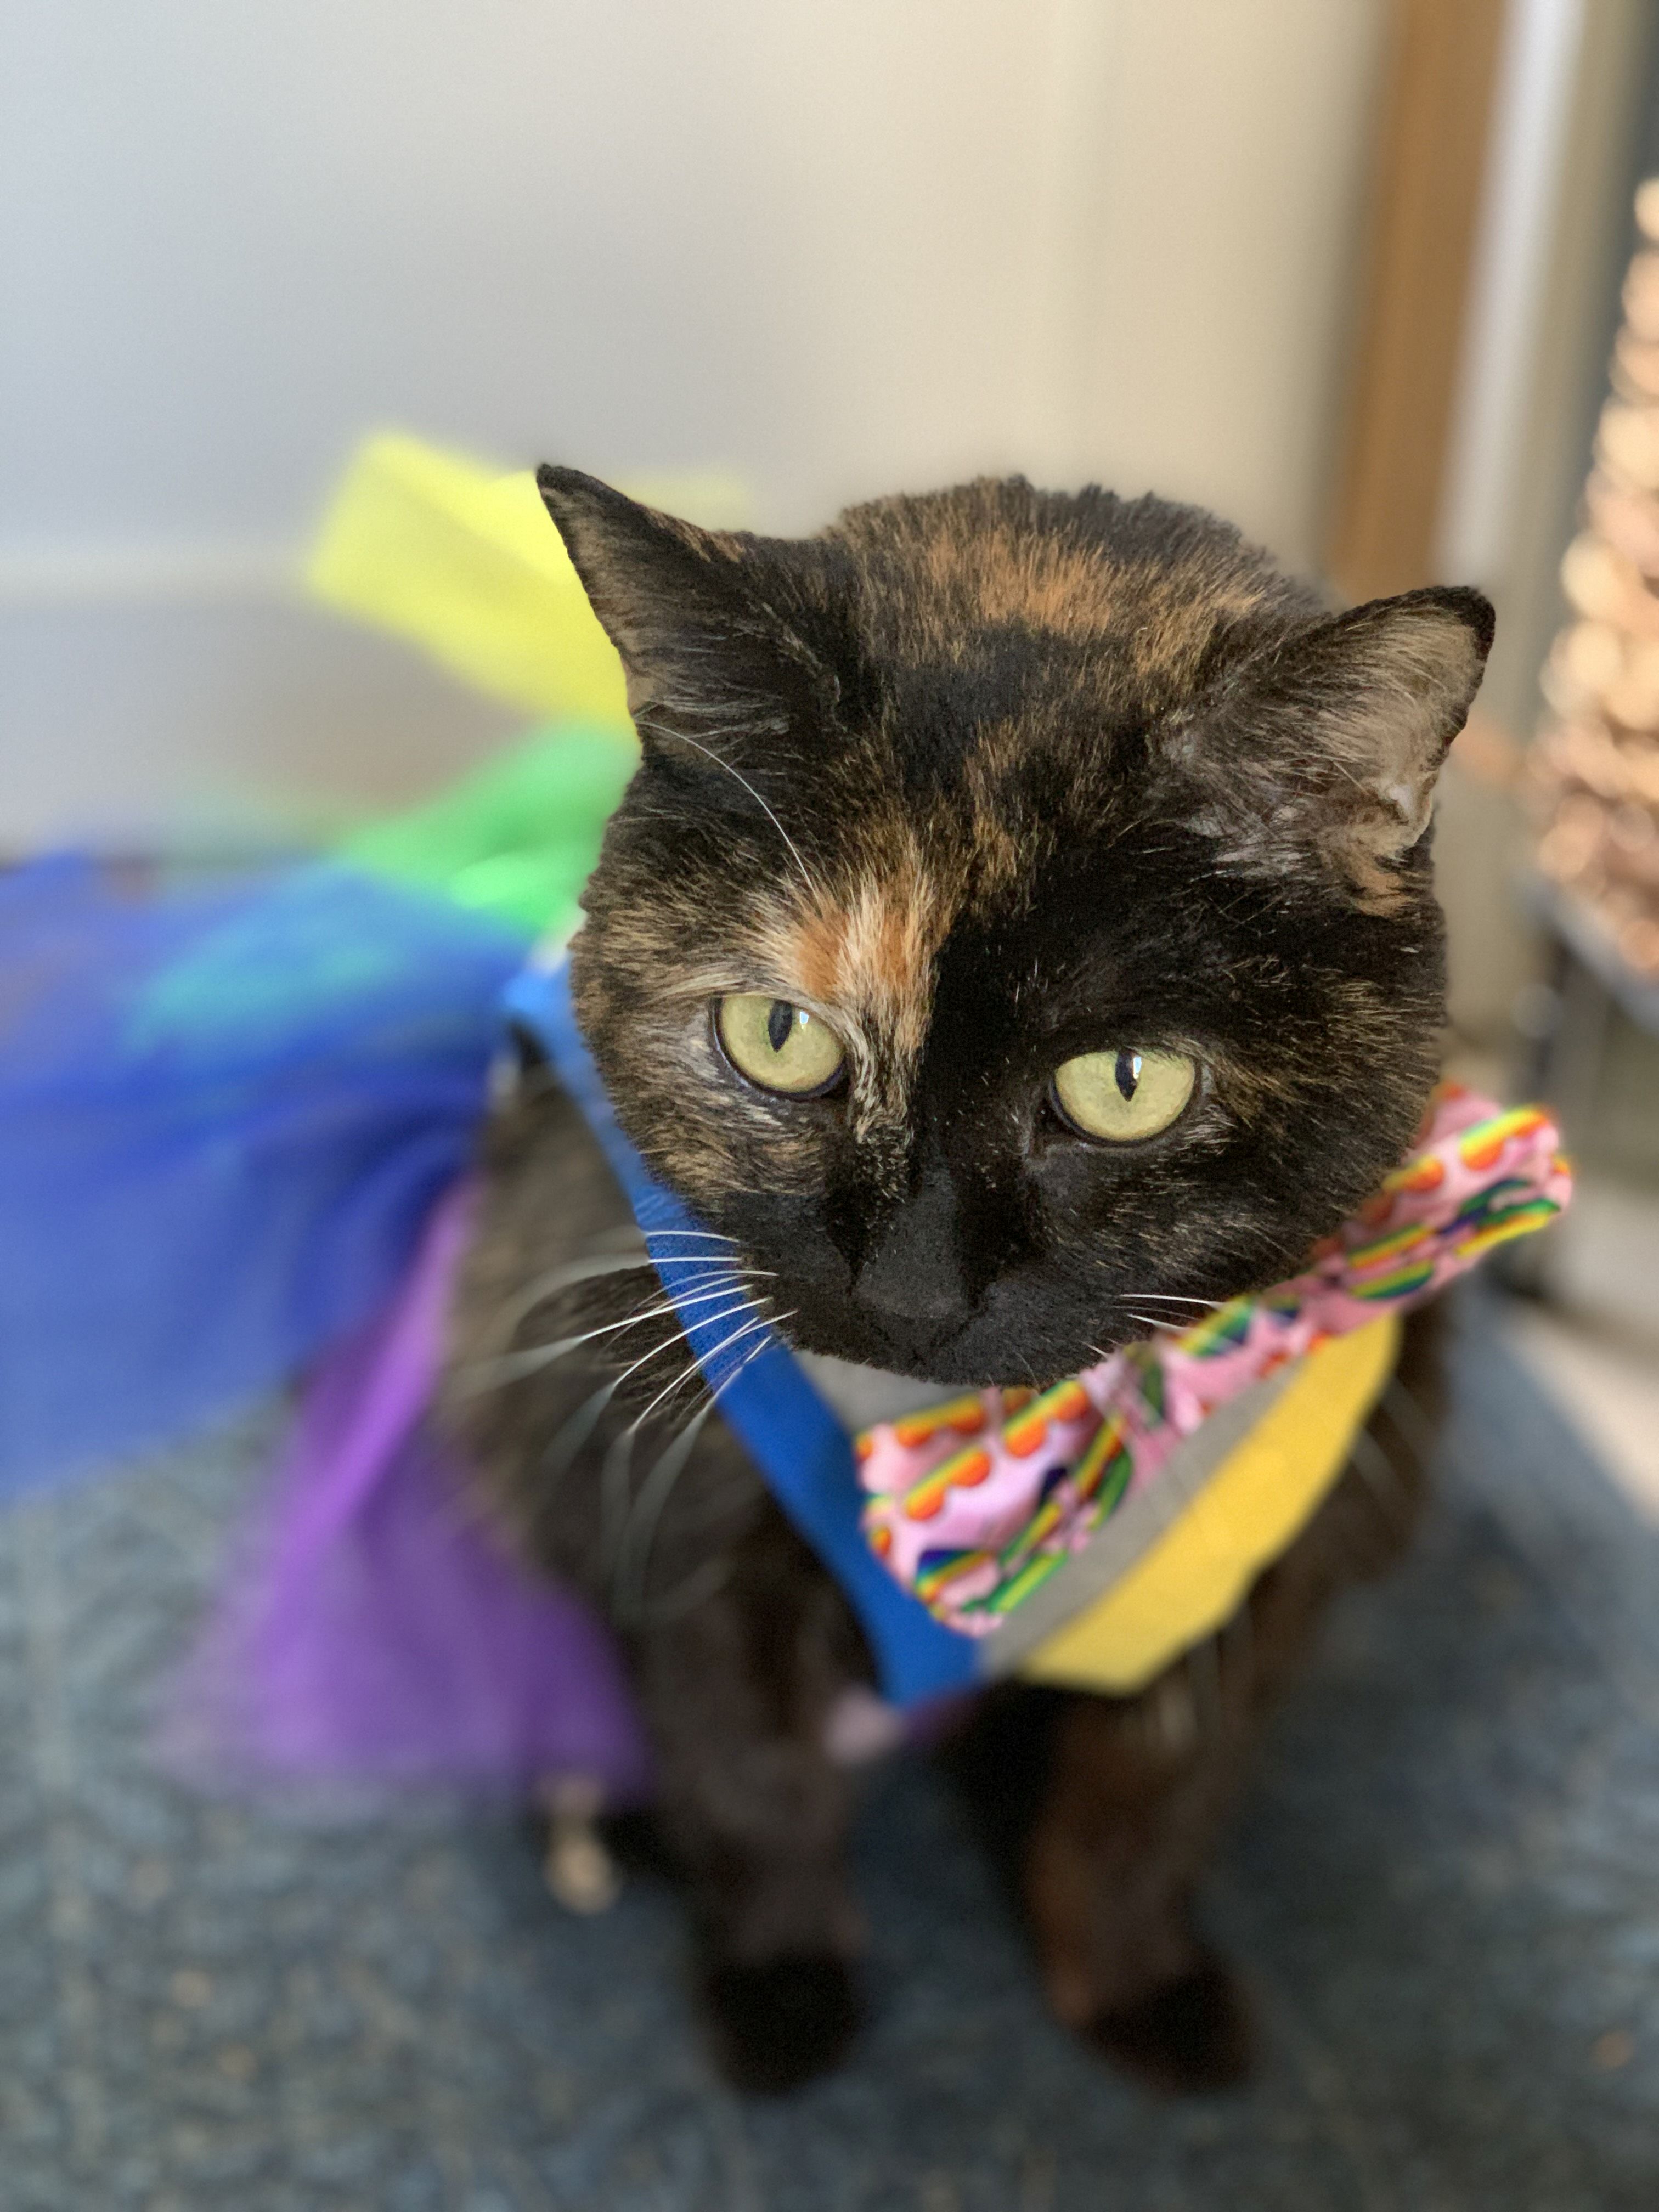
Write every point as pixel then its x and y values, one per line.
pixel 517 838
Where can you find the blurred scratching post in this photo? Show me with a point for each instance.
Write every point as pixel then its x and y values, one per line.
pixel 1415 266
pixel 1594 772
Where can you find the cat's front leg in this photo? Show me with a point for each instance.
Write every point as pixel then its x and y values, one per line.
pixel 736 1691
pixel 1140 1787
pixel 1138 1790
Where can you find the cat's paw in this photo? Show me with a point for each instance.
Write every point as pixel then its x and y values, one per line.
pixel 1188 2037
pixel 776 2025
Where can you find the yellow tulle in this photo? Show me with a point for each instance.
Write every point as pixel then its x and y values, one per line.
pixel 464 562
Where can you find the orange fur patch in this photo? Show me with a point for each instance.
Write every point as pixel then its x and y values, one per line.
pixel 863 951
pixel 1008 579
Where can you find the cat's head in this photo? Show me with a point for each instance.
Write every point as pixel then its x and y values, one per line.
pixel 1021 924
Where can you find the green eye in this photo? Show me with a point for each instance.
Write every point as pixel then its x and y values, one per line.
pixel 1123 1096
pixel 778 1046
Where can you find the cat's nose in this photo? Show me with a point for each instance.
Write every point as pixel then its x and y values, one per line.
pixel 912 1285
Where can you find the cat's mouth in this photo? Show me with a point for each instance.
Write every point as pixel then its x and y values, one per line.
pixel 975 1355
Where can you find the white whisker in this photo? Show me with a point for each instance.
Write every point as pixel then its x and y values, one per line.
pixel 560 1278
pixel 748 1357
pixel 1169 1298
pixel 695 1367
pixel 655 1492
pixel 509 1366
pixel 721 1287
pixel 616 1501
pixel 714 1263
pixel 640 1531
pixel 708 753
pixel 701 1362
pixel 616 1509
pixel 571 1435
pixel 703 1580
pixel 665 1344
pixel 712 1269
pixel 743 1304
pixel 761 1320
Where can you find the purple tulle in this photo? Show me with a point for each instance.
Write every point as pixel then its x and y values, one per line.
pixel 373 1630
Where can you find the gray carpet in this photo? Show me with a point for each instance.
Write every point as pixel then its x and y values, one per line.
pixel 1445 1889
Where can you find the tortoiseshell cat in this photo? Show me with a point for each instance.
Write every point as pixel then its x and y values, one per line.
pixel 1020 924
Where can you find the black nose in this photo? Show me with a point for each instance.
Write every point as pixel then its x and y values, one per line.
pixel 911 1287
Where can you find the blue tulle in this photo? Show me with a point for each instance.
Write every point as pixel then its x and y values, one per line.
pixel 224 1116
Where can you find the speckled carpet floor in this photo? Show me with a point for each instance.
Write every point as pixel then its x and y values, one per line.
pixel 1445 1888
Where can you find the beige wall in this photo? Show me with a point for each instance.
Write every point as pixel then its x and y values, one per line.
pixel 841 248
pixel 1220 157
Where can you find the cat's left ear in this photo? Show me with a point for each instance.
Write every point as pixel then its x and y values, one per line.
pixel 1331 742
pixel 703 643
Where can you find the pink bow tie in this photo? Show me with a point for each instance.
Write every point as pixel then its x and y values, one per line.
pixel 973 1503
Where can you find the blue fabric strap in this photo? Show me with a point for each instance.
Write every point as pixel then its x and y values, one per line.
pixel 765 1397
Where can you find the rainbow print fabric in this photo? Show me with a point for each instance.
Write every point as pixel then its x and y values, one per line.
pixel 974 1503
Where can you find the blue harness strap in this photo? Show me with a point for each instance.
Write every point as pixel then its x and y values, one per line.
pixel 765 1397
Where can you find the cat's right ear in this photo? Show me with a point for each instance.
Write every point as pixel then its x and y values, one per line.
pixel 686 611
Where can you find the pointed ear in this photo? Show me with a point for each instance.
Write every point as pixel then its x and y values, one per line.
pixel 1330 742
pixel 684 608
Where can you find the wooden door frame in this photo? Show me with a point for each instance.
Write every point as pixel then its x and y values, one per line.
pixel 1435 110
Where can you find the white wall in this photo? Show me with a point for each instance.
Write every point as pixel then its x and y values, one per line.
pixel 842 247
